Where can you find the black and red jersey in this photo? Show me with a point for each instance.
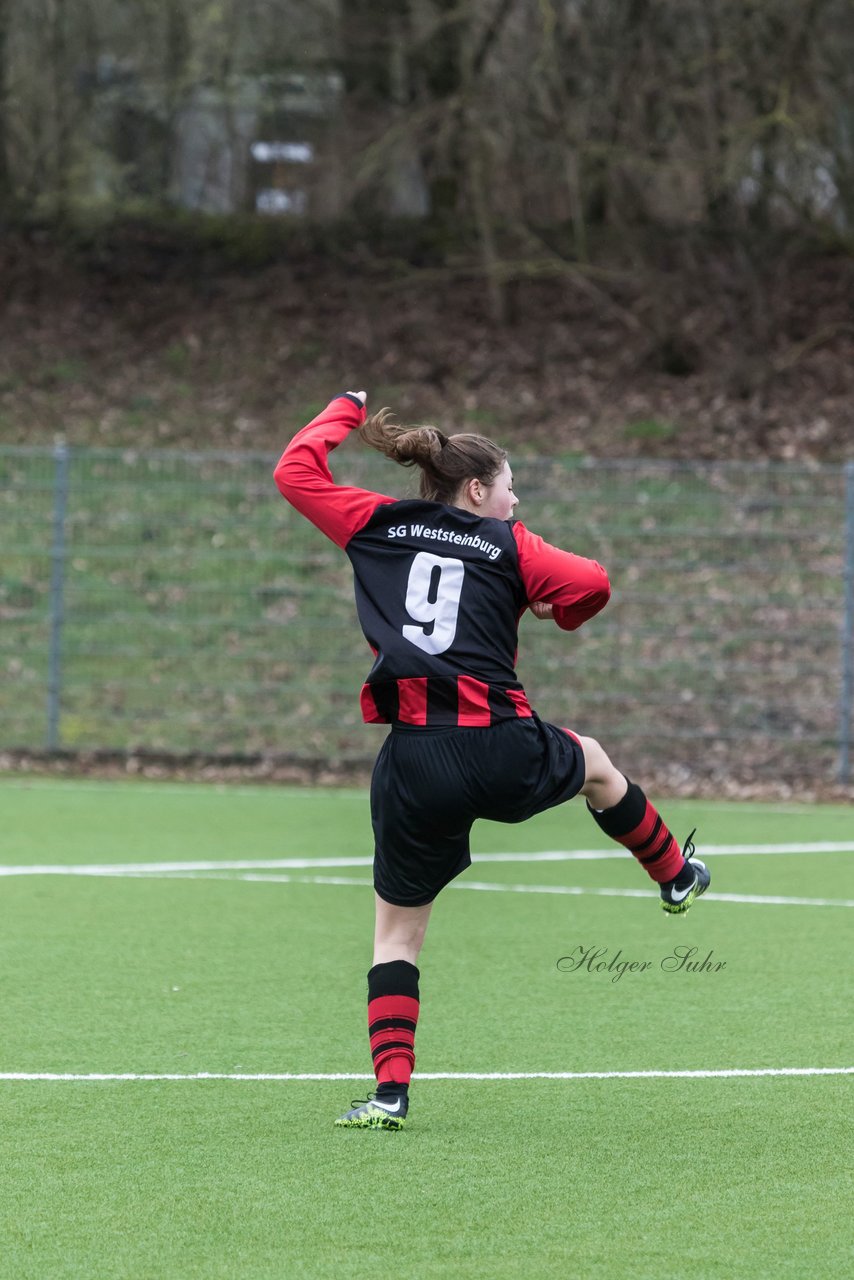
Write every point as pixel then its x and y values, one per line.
pixel 439 590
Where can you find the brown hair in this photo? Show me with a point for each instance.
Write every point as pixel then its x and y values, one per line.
pixel 446 462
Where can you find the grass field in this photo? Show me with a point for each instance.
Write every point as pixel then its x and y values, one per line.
pixel 113 968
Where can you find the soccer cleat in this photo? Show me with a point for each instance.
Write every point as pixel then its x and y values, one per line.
pixel 676 898
pixel 388 1112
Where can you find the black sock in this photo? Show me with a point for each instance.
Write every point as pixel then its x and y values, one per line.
pixel 391 1089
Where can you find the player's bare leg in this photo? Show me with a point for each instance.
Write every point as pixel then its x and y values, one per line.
pixel 393 1005
pixel 399 931
pixel 604 785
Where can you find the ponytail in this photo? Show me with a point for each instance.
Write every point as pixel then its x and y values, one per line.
pixel 446 462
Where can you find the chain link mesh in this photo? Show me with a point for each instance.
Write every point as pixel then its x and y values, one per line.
pixel 200 614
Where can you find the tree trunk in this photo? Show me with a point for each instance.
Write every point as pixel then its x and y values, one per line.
pixel 5 174
pixel 178 47
pixel 62 107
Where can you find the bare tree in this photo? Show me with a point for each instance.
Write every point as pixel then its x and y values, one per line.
pixel 5 175
pixel 524 128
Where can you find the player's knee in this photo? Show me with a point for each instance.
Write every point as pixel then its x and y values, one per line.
pixel 597 764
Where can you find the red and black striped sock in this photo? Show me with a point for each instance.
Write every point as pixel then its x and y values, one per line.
pixel 392 1017
pixel 635 823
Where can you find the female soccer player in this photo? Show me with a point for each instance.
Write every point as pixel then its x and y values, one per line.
pixel 441 583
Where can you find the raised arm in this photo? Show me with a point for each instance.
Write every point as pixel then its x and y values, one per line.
pixel 576 588
pixel 303 477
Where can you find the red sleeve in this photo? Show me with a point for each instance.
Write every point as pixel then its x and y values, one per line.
pixel 303 477
pixel 577 588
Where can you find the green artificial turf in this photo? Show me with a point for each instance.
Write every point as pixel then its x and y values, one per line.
pixel 706 1178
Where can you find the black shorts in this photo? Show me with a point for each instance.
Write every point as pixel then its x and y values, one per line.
pixel 430 785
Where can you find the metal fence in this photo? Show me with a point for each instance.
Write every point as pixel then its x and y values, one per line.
pixel 171 602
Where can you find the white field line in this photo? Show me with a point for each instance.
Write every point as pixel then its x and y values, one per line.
pixel 484 886
pixel 282 864
pixel 576 891
pixel 725 1073
pixel 165 868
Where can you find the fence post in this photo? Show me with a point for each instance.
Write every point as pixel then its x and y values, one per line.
pixel 61 454
pixel 847 692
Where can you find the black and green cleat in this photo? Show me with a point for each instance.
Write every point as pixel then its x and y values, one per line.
pixel 694 879
pixel 388 1112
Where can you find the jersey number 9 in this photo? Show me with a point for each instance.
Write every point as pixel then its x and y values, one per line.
pixel 433 600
